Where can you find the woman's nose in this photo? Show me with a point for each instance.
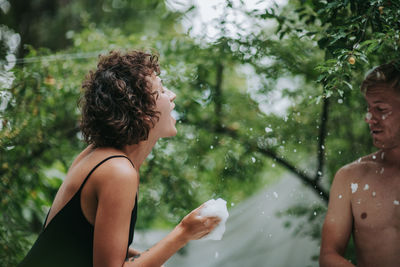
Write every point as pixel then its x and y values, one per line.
pixel 172 95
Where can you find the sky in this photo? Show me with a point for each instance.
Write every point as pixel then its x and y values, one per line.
pixel 202 19
pixel 202 23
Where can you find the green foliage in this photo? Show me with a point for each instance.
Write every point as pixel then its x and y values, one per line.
pixel 36 135
pixel 226 145
pixel 354 36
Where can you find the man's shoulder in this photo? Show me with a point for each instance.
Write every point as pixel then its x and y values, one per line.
pixel 358 167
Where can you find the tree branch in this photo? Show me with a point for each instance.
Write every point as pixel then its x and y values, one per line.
pixel 217 96
pixel 312 183
pixel 321 140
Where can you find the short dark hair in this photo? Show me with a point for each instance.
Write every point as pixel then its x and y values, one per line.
pixel 118 104
pixel 385 74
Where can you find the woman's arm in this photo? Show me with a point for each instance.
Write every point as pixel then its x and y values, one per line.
pixel 190 228
pixel 116 183
pixel 116 186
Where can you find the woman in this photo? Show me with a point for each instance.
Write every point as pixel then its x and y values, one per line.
pixel 125 110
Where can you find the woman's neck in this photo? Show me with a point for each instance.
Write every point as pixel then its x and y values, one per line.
pixel 137 153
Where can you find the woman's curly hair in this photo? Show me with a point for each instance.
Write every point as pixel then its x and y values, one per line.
pixel 118 104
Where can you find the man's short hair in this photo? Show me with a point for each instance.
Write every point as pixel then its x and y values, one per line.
pixel 385 74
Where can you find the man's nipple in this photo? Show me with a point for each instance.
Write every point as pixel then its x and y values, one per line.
pixel 363 215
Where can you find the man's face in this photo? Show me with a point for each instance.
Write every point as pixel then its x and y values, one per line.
pixel 383 116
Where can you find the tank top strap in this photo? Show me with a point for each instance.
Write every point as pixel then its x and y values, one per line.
pixel 101 162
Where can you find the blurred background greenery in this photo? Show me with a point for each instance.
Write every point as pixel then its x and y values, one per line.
pixel 262 89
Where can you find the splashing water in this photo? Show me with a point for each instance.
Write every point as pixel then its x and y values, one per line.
pixel 268 129
pixel 384 117
pixel 354 187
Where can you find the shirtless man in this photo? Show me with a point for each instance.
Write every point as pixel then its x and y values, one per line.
pixel 365 195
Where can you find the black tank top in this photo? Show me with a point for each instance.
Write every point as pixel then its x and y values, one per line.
pixel 67 240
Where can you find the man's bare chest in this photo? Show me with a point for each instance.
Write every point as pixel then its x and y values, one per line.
pixel 375 201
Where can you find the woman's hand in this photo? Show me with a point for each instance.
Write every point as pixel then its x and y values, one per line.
pixel 132 252
pixel 195 226
pixel 191 227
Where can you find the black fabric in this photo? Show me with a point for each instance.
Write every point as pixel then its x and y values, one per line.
pixel 67 240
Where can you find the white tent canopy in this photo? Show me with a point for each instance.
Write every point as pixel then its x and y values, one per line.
pixel 254 237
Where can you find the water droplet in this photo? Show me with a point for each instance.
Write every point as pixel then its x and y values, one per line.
pixel 253 159
pixel 373 157
pixel 382 170
pixel 268 130
pixel 315 213
pixel 340 101
pixel 368 116
pixel 396 202
pixel 354 187
pixel 366 187
pixel 275 194
pixel 232 204
pixel 273 165
pixel 340 196
pixel 373 194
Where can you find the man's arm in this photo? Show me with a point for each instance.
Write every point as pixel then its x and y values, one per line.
pixel 338 223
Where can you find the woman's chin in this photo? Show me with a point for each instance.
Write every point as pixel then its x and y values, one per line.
pixel 173 132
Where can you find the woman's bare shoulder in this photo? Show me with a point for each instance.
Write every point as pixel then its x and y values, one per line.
pixel 114 168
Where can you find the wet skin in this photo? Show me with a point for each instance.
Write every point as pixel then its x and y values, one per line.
pixel 365 195
pixel 375 210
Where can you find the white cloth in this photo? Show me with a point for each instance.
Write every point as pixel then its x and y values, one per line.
pixel 216 208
